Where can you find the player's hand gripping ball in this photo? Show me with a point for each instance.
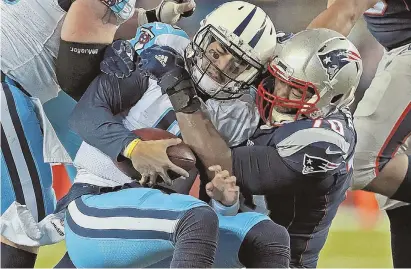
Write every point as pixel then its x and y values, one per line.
pixel 180 155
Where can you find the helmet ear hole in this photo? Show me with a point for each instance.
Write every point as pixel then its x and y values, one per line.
pixel 336 98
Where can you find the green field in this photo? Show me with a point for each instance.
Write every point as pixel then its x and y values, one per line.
pixel 347 246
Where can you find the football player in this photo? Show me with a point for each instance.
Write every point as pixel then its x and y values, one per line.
pixel 298 165
pixel 30 33
pixel 105 116
pixel 382 118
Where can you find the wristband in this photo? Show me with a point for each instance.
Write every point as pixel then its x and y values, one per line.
pixel 130 147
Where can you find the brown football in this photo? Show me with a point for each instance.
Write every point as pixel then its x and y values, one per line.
pixel 181 154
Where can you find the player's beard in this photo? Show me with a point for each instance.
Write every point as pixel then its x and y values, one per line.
pixel 209 86
pixel 277 118
pixel 205 83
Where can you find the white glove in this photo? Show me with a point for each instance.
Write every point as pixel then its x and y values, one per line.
pixel 170 11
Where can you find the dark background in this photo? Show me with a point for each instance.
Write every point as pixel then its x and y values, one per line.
pixel 293 16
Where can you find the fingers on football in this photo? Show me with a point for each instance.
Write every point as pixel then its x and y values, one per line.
pixel 166 178
pixel 172 142
pixel 152 178
pixel 178 170
pixel 144 179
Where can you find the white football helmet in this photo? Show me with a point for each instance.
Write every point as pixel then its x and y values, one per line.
pixel 230 49
pixel 319 66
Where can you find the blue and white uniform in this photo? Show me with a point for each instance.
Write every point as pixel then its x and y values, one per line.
pixel 30 34
pixel 27 196
pixel 92 220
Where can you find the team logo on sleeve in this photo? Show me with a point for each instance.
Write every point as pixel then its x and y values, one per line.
pixel 313 164
pixel 146 35
pixel 333 61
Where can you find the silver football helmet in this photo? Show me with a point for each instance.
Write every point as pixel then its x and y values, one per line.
pixel 321 70
pixel 230 49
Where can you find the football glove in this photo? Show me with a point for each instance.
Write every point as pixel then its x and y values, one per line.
pixel 165 65
pixel 119 59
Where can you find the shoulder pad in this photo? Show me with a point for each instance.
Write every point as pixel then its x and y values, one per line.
pixel 148 34
pixel 330 135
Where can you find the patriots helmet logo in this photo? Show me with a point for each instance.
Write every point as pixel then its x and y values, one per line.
pixel 333 61
pixel 313 164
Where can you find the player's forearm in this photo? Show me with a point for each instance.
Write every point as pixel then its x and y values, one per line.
pixel 341 15
pixel 88 21
pixel 200 134
pixel 94 115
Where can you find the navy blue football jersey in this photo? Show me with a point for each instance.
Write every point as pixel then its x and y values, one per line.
pixel 298 174
pixel 390 22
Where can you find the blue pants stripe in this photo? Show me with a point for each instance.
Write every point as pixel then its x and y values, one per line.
pixel 10 169
pixel 115 233
pixel 26 151
pixel 126 212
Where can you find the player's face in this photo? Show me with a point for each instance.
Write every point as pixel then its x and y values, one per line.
pixel 220 64
pixel 286 91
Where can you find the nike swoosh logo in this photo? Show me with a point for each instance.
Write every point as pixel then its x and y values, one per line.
pixel 330 152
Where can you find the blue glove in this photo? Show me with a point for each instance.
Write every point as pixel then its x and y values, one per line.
pixel 167 66
pixel 156 61
pixel 119 59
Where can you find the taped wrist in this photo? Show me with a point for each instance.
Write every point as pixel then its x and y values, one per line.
pixel 404 191
pixel 181 92
pixel 151 16
pixel 77 65
pixel 146 16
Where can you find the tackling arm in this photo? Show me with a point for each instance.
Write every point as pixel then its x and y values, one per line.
pixel 341 15
pixel 259 170
pixel 94 117
pixel 200 134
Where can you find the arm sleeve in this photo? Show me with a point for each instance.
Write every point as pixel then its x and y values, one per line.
pixel 77 65
pixel 260 170
pixel 94 117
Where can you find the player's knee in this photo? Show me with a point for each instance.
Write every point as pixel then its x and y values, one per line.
pixel 266 245
pixel 197 222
